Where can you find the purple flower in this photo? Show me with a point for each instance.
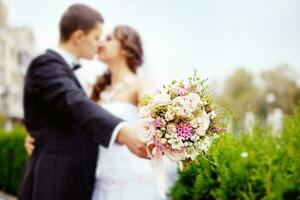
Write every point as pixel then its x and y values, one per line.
pixel 180 91
pixel 184 130
pixel 157 123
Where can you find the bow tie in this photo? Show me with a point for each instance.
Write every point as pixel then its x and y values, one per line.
pixel 76 66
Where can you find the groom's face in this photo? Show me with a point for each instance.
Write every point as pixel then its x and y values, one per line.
pixel 89 42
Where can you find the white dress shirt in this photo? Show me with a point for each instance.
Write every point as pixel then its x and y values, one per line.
pixel 71 60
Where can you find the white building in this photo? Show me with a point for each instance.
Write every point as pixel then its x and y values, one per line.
pixel 16 51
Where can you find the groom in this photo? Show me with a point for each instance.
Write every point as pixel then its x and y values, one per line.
pixel 66 125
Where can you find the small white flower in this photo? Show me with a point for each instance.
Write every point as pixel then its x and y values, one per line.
pixel 204 146
pixel 193 155
pixel 163 141
pixel 199 89
pixel 195 137
pixel 176 143
pixel 159 133
pixel 212 115
pixel 186 144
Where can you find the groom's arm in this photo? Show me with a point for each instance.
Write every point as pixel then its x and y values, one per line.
pixel 51 83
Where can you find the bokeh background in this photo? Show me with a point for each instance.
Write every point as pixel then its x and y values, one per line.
pixel 248 50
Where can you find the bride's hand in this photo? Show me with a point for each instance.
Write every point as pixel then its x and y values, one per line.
pixel 29 144
pixel 129 137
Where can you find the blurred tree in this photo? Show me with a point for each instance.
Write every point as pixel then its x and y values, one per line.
pixel 281 89
pixel 2 120
pixel 240 93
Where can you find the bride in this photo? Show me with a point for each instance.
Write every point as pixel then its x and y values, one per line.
pixel 120 174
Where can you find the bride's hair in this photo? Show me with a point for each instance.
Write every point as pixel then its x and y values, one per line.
pixel 131 43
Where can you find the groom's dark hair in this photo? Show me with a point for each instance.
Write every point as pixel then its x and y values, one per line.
pixel 78 17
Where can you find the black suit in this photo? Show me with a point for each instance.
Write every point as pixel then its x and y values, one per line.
pixel 67 128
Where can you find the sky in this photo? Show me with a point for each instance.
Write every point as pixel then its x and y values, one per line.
pixel 214 36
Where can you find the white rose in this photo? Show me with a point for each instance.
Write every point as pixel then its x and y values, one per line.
pixel 145 112
pixel 200 131
pixel 171 129
pixel 176 155
pixel 203 121
pixel 194 123
pixel 170 115
pixel 195 100
pixel 161 99
pixel 183 111
pixel 179 101
pixel 146 135
pixel 194 97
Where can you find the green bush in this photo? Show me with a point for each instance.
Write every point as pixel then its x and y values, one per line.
pixel 257 166
pixel 12 159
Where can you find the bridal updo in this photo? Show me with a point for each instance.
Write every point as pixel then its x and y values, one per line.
pixel 131 43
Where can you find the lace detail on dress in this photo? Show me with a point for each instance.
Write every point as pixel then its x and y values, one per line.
pixel 110 92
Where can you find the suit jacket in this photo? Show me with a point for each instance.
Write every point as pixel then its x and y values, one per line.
pixel 67 127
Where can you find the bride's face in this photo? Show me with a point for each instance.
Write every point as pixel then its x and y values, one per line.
pixel 110 49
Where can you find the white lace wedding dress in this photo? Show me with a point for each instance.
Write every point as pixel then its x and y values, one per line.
pixel 122 175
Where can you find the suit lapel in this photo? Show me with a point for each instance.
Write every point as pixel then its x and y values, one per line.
pixel 66 66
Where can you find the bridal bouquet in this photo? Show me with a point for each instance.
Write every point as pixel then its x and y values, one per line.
pixel 179 120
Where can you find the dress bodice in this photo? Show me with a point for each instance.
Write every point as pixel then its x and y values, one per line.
pixel 123 110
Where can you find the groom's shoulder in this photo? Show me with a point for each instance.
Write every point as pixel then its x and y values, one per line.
pixel 47 58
